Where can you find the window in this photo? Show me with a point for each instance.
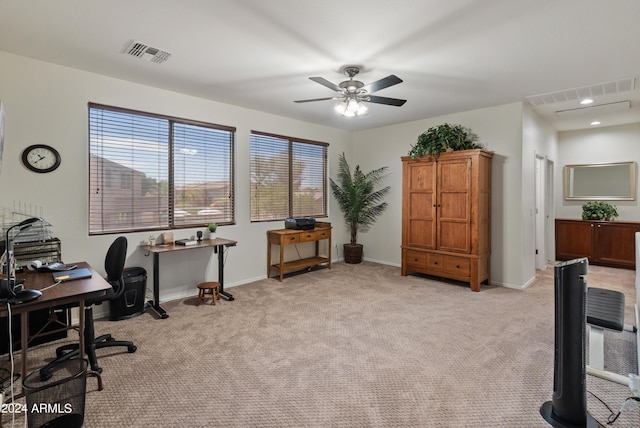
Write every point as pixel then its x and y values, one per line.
pixel 288 177
pixel 173 172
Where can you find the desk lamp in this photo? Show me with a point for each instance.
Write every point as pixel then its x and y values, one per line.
pixel 9 284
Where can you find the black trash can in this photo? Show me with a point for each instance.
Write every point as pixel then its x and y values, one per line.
pixel 59 400
pixel 131 302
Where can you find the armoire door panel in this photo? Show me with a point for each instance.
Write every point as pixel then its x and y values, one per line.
pixel 421 234
pixel 454 206
pixel 454 175
pixel 421 205
pixel 454 236
pixel 422 177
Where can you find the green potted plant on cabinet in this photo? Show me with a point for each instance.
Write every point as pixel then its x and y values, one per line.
pixel 598 210
pixel 359 201
pixel 444 138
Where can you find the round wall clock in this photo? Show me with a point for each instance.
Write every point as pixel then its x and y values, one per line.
pixel 41 158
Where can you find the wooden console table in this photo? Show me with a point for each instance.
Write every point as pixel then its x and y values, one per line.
pixel 284 237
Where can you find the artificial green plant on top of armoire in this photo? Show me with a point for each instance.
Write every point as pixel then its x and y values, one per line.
pixel 360 200
pixel 444 138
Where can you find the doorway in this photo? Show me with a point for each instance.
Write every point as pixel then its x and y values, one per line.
pixel 543 211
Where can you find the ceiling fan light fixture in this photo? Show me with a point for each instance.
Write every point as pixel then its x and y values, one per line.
pixel 341 107
pixel 353 93
pixel 350 107
pixel 353 105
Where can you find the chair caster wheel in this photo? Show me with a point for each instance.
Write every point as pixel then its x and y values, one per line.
pixel 132 349
pixel 45 375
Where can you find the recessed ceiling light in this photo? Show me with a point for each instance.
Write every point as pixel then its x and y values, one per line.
pixel 595 122
pixel 586 101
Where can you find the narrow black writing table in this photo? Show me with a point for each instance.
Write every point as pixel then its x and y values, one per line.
pixel 217 244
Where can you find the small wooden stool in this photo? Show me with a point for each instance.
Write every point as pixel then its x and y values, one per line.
pixel 208 290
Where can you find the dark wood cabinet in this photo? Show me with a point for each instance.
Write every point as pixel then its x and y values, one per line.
pixel 446 206
pixel 605 243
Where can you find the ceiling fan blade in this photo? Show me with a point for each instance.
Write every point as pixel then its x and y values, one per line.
pixel 325 82
pixel 384 100
pixel 318 99
pixel 382 83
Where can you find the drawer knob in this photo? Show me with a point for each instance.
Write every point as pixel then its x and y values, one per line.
pixel 457 266
pixel 291 238
pixel 435 263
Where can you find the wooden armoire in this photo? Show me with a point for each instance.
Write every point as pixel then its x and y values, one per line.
pixel 446 216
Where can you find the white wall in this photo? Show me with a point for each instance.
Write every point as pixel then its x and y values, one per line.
pixel 597 145
pixel 47 103
pixel 500 130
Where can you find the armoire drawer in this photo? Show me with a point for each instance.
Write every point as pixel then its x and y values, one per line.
pixel 457 265
pixel 435 261
pixel 416 259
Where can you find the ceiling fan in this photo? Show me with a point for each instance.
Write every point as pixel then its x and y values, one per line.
pixel 354 93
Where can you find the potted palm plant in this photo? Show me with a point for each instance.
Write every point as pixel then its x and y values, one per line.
pixel 359 201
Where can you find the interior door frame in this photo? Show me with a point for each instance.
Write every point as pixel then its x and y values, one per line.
pixel 543 204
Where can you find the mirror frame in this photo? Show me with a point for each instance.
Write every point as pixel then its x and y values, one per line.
pixel 631 196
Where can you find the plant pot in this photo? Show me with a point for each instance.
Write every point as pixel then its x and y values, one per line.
pixel 352 253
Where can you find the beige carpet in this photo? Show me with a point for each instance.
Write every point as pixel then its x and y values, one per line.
pixel 354 346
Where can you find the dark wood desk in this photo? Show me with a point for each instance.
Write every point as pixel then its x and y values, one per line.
pixel 71 292
pixel 217 244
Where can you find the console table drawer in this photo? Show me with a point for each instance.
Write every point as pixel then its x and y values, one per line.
pixel 309 236
pixel 323 234
pixel 293 238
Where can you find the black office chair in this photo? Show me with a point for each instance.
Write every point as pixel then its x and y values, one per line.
pixel 114 266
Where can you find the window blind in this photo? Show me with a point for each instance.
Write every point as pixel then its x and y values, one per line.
pixel 288 177
pixel 149 172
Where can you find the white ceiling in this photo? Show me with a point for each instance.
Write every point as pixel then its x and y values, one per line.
pixel 453 55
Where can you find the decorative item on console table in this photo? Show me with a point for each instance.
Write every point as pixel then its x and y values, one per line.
pixel 598 210
pixel 212 230
pixel 446 207
pixel 360 203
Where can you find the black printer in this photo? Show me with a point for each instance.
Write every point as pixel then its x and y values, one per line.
pixel 300 223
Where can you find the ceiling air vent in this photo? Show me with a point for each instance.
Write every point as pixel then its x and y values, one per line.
pixel 146 52
pixel 597 109
pixel 618 86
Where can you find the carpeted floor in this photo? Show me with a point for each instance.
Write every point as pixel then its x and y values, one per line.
pixel 354 346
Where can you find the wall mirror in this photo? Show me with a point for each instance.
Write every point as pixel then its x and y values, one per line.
pixel 601 181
